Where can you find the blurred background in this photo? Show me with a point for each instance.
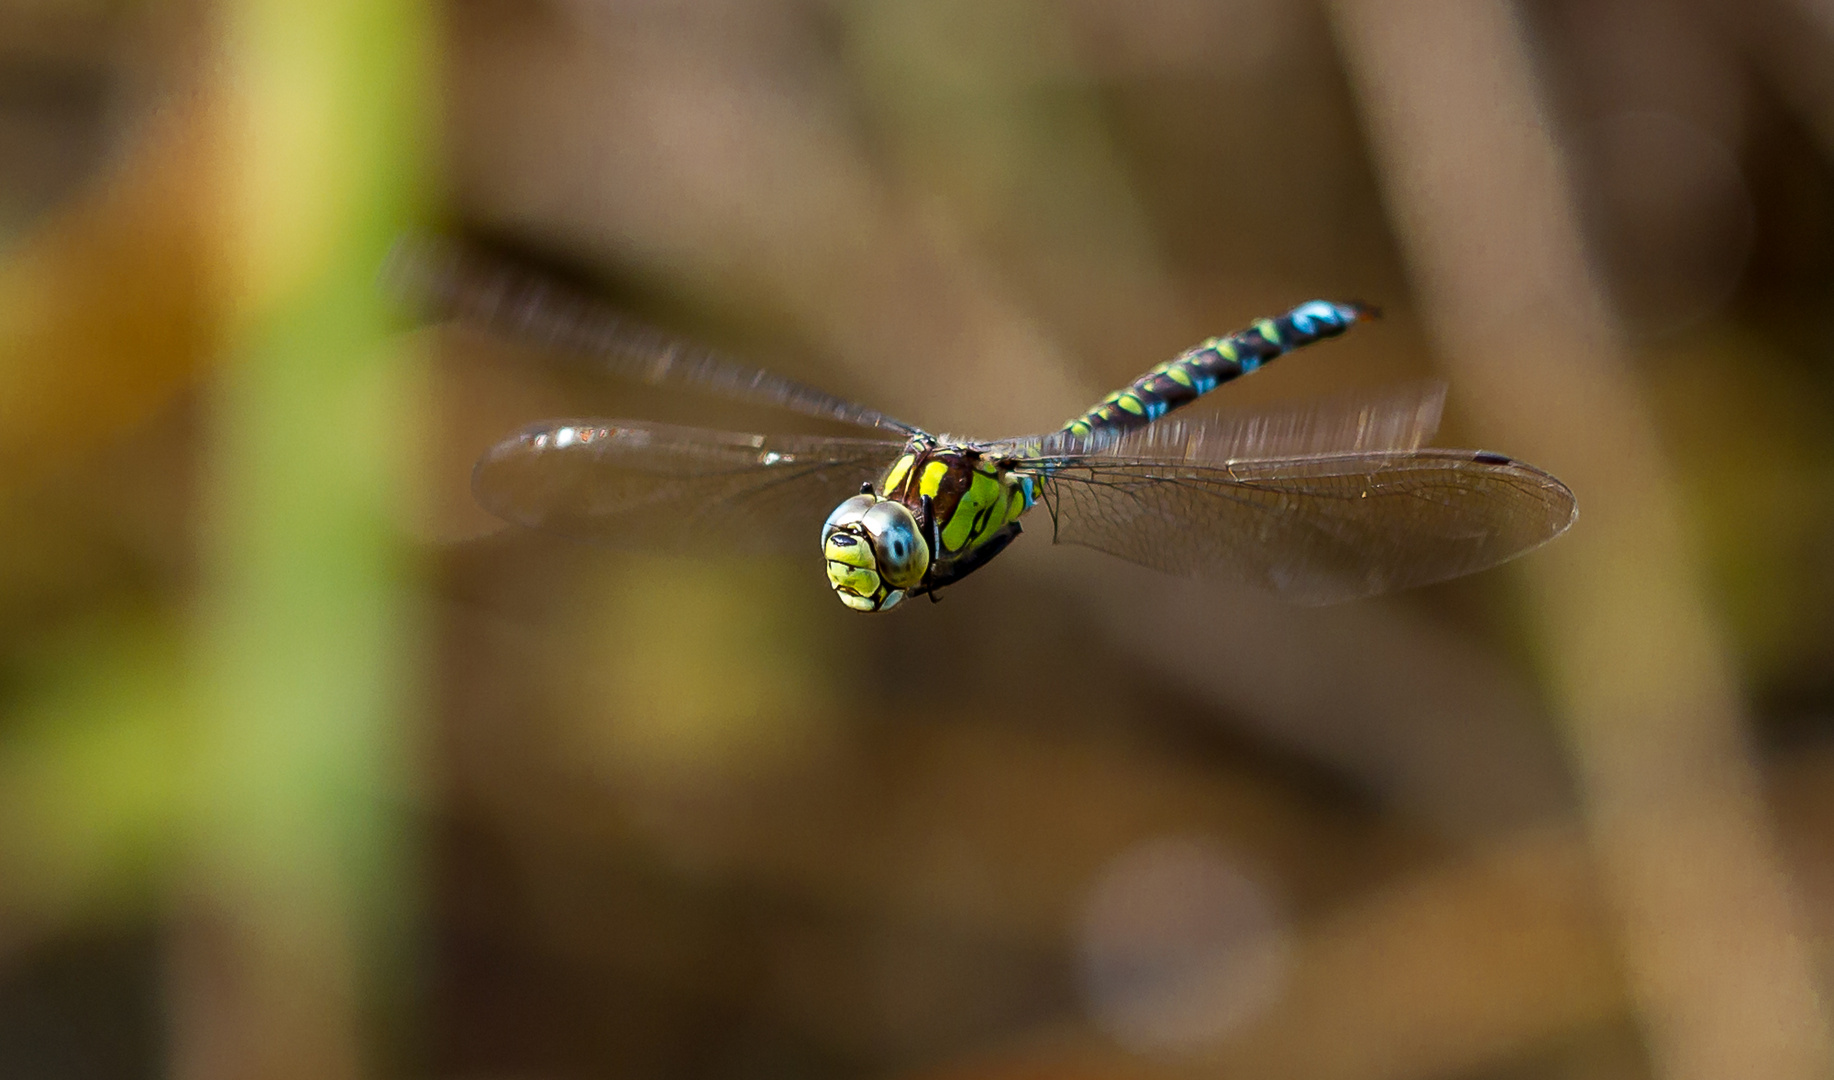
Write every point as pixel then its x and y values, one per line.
pixel 308 768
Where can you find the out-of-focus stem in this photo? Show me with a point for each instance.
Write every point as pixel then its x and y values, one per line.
pixel 1636 668
pixel 306 629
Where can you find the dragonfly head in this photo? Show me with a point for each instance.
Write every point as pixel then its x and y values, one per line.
pixel 875 552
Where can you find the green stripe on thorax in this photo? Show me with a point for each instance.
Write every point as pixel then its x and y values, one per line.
pixel 972 496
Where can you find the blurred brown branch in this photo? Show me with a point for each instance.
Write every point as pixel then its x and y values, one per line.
pixel 1711 930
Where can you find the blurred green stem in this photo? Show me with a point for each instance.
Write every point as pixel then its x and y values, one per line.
pixel 309 635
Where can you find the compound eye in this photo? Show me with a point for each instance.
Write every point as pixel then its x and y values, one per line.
pixel 903 556
pixel 847 513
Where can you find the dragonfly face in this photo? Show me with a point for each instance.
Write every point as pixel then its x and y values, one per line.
pixel 875 552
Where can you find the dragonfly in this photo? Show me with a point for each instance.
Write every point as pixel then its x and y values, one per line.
pixel 1320 502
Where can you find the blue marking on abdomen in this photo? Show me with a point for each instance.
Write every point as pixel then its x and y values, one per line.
pixel 1307 314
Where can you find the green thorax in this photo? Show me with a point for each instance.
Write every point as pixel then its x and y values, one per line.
pixel 972 495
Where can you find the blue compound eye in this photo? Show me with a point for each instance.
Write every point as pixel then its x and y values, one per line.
pixel 903 557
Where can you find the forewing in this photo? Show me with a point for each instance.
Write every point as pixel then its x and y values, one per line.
pixel 451 280
pixel 661 487
pixel 1391 420
pixel 1315 530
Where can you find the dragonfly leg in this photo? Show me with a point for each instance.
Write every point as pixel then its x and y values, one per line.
pixel 933 527
pixel 969 561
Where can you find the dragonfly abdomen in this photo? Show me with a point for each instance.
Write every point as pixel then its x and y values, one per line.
pixel 1190 376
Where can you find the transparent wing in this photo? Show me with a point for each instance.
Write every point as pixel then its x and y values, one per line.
pixel 635 484
pixel 1317 529
pixel 1396 419
pixel 449 280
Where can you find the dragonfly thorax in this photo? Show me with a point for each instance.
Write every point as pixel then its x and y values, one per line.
pixel 875 552
pixel 941 512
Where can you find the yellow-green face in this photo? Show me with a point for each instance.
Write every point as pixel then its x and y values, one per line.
pixel 853 571
pixel 874 552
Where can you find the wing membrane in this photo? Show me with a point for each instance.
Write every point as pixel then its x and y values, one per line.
pixel 658 486
pixel 1316 529
pixel 1398 419
pixel 449 280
